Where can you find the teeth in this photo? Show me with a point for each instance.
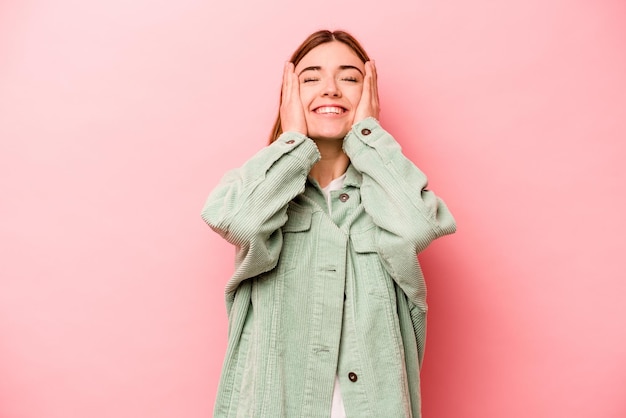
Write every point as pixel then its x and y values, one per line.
pixel 329 109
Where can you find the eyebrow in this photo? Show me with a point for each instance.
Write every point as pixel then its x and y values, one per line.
pixel 341 67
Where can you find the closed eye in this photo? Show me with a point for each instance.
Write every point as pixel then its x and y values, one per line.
pixel 309 79
pixel 351 79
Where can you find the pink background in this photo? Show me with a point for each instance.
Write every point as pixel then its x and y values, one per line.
pixel 117 118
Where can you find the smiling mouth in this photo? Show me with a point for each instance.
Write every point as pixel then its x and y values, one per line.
pixel 332 110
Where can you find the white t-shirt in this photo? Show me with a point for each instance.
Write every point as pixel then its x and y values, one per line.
pixel 337 409
pixel 336 184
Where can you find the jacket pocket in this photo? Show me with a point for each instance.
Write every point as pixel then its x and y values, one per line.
pixel 298 220
pixel 297 240
pixel 368 265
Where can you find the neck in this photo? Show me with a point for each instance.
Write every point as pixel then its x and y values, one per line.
pixel 334 162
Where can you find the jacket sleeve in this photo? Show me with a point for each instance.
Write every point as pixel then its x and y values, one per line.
pixel 393 191
pixel 249 205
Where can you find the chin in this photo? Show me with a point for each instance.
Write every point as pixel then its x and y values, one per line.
pixel 329 134
pixel 338 137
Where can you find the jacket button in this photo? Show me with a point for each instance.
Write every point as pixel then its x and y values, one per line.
pixel 344 196
pixel 353 377
pixel 291 141
pixel 365 131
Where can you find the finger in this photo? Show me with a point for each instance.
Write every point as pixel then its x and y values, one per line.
pixel 372 98
pixel 290 77
pixel 374 82
pixel 368 70
pixel 367 82
pixel 373 90
pixel 373 70
pixel 285 87
pixel 295 85
pixel 285 74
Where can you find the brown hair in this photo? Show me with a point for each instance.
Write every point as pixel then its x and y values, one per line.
pixel 316 39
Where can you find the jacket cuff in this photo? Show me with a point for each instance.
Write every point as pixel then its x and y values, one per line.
pixel 297 145
pixel 365 132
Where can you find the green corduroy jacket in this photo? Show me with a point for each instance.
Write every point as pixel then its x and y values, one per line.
pixel 315 295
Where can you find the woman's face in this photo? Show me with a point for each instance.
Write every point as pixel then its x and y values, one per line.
pixel 331 83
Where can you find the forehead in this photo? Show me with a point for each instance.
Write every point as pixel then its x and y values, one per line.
pixel 330 55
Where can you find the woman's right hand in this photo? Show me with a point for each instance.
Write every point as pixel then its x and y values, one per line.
pixel 291 110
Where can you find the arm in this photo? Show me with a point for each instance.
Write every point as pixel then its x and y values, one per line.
pixel 394 194
pixel 249 205
pixel 409 216
pixel 394 189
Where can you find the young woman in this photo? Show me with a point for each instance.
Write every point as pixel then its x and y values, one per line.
pixel 326 307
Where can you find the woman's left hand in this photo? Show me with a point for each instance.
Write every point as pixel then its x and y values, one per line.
pixel 368 105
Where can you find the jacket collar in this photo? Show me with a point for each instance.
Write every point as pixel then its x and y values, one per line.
pixel 353 177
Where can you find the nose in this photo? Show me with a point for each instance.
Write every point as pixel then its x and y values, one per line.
pixel 331 89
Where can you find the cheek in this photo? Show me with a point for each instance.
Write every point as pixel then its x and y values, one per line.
pixel 306 96
pixel 355 95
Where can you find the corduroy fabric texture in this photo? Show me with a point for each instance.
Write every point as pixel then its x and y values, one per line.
pixel 317 295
